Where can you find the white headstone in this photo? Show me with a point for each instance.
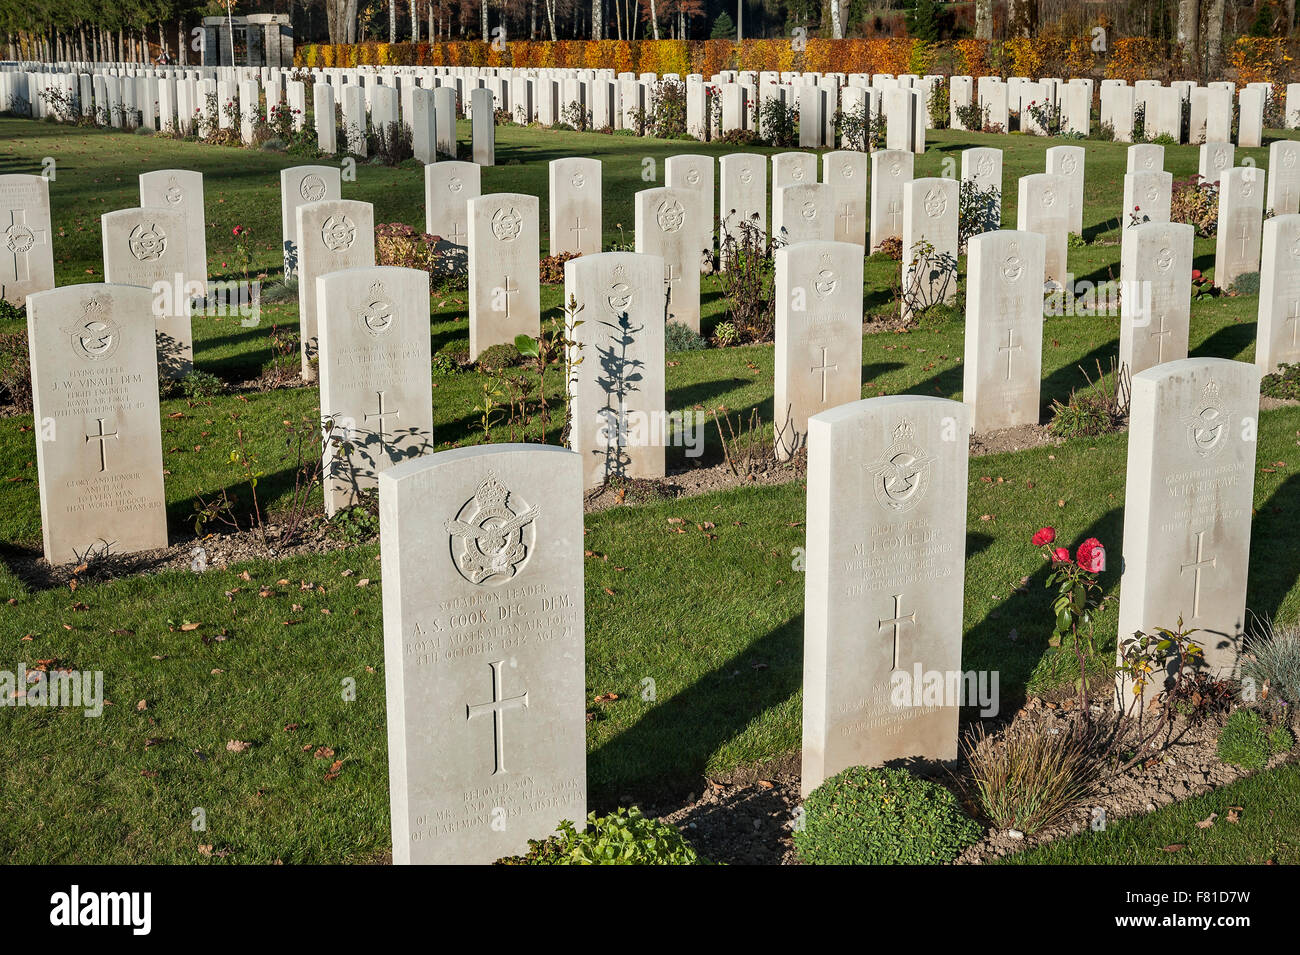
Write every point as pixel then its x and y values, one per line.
pixel 1067 162
pixel 845 171
pixel 669 224
pixel 373 325
pixel 617 396
pixel 575 208
pixel 504 291
pixel 818 336
pixel 886 548
pixel 1155 305
pixel 448 186
pixel 1283 177
pixel 1278 325
pixel 332 234
pixel 300 184
pixel 744 192
pixel 95 379
pixel 147 247
pixel 1044 207
pixel 182 190
pixel 27 253
pixel 1241 213
pixel 1002 370
pixel 484 650
pixel 1188 502
pixel 891 170
pixel 930 209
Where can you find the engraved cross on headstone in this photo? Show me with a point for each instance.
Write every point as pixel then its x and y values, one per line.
pixel 897 621
pixel 1245 236
pixel 1159 336
pixel 847 216
pixel 508 292
pixel 103 453
pixel 823 368
pixel 578 228
pixel 21 256
pixel 1196 565
pixel 670 278
pixel 458 235
pixel 497 707
pixel 1294 321
pixel 381 414
pixel 1009 347
pixel 895 213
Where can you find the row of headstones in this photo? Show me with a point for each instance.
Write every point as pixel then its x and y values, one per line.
pixel 484 644
pixel 1183 110
pixel 802 211
pixel 206 106
pixel 819 317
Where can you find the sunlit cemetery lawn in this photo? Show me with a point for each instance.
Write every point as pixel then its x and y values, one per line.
pixel 702 595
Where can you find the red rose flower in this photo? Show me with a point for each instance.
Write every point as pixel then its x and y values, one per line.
pixel 1045 535
pixel 1092 556
pixel 1061 555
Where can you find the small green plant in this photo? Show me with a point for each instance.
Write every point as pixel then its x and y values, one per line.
pixel 444 365
pixel 725 334
pixel 1075 241
pixel 1273 662
pixel 1246 284
pixel 882 817
pixel 974 117
pixel 1280 739
pixel 360 522
pixel 1195 201
pixel 624 837
pixel 1247 741
pixel 979 211
pixel 779 125
pixel 496 358
pixel 199 385
pixel 15 371
pixel 680 337
pixel 1092 410
pixel 1028 778
pixel 1283 383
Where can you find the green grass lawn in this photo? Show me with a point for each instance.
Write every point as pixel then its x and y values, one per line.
pixel 715 621
pixel 1267 830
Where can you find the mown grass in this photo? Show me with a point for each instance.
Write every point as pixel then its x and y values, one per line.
pixel 713 619
pixel 1267 831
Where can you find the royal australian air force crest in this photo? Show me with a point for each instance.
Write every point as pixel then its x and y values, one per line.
pixel 901 475
pixel 492 536
pixel 1207 429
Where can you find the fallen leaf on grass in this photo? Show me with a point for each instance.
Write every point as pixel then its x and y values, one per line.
pixel 237 746
pixel 1234 814
pixel 1171 848
pixel 1208 821
pixel 142 706
pixel 323 753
